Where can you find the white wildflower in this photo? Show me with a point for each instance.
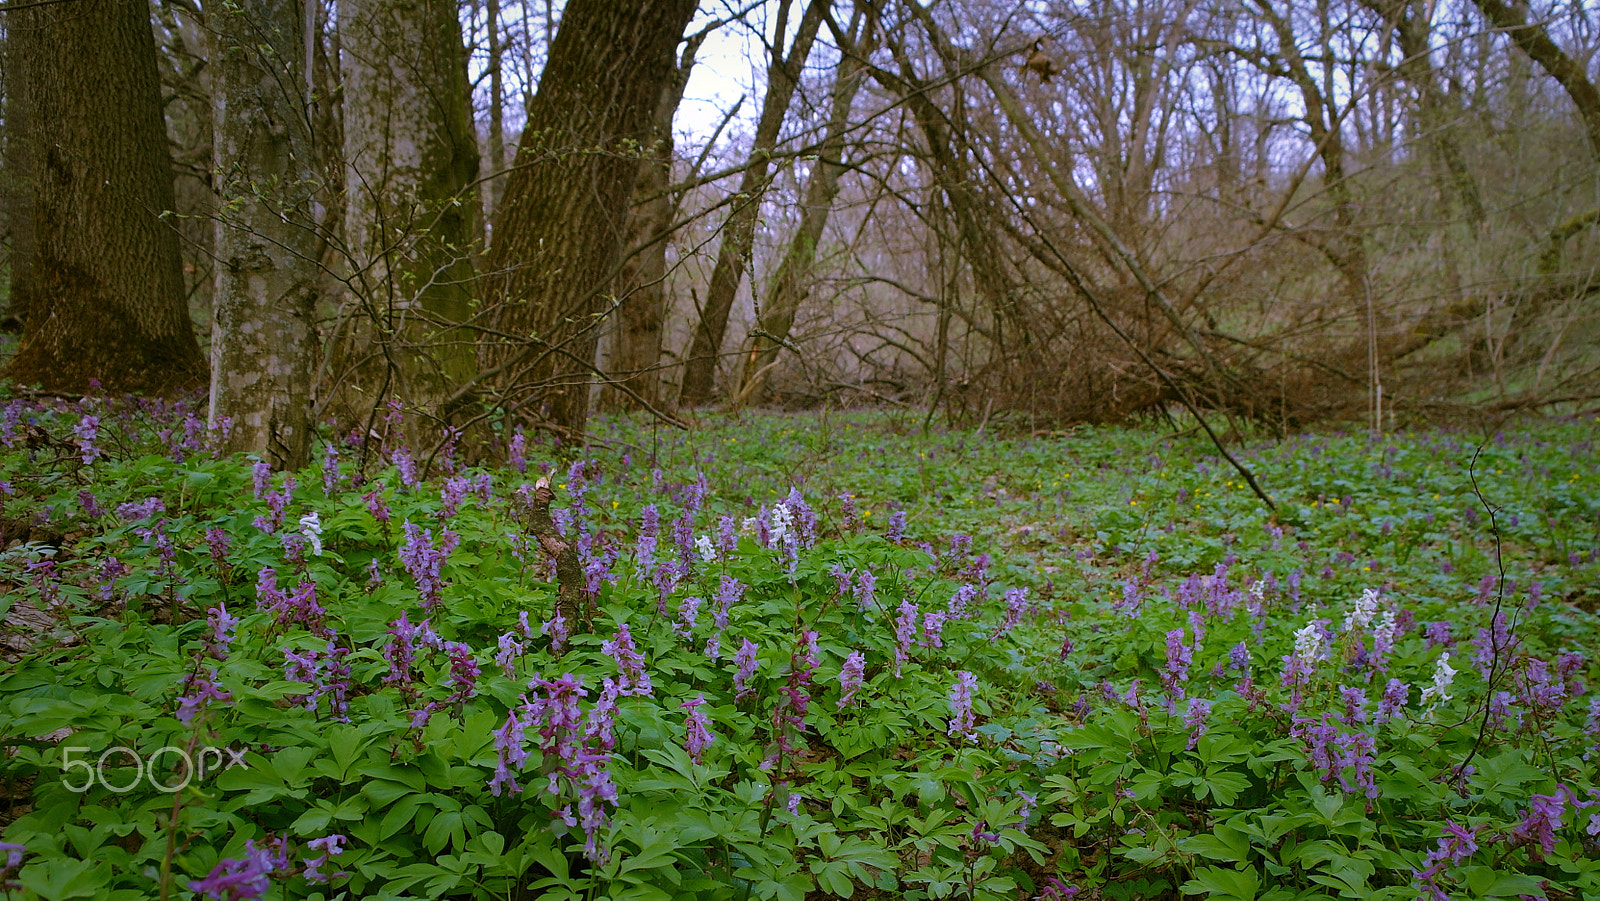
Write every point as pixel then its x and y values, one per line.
pixel 1308 644
pixel 1365 609
pixel 782 524
pixel 311 528
pixel 1443 674
pixel 748 526
pixel 707 550
pixel 1258 589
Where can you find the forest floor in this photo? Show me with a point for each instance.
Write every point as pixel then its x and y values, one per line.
pixel 821 655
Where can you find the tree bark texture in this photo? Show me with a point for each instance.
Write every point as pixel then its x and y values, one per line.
pixel 561 222
pixel 263 340
pixel 411 159
pixel 738 234
pixel 102 297
pixel 642 286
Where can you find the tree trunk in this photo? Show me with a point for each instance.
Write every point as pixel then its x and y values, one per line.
pixel 642 287
pixel 102 293
pixel 738 234
pixel 792 285
pixel 562 218
pixel 263 340
pixel 411 159
pixel 16 188
pixel 497 99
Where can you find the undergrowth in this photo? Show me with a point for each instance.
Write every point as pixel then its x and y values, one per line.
pixel 819 656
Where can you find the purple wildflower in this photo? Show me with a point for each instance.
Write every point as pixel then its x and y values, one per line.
pixel 375 504
pixel 1395 697
pixel 12 864
pixel 244 878
pixel 1179 658
pixel 406 467
pixel 697 731
pixel 510 751
pixel 633 680
pixel 850 676
pixel 145 509
pixel 330 846
pixel 961 717
pixel 866 589
pixel 556 628
pixel 1195 720
pixel 425 562
pixel 848 518
pixel 897 527
pixel 261 478
pixel 90 504
pixel 518 452
pixel 746 663
pixel 1541 820
pixel 332 478
pixel 1016 607
pixel 961 601
pixel 688 615
pixel 200 691
pixel 905 632
pixel 510 650
pixel 223 625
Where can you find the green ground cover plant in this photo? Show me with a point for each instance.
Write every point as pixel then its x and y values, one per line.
pixel 814 656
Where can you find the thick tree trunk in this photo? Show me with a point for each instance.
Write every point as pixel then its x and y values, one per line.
pixel 738 234
pixel 16 190
pixel 562 219
pixel 792 285
pixel 102 293
pixel 263 340
pixel 642 287
pixel 410 162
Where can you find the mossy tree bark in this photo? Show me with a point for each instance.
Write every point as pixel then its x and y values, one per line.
pixel 561 223
pixel 102 298
pixel 263 341
pixel 411 159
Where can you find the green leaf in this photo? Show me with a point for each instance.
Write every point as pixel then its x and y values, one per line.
pixel 1224 884
pixel 54 880
pixel 1225 844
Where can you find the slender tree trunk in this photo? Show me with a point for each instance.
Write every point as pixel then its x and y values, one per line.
pixel 642 288
pixel 411 159
pixel 738 234
pixel 263 339
pixel 102 289
pixel 792 285
pixel 562 218
pixel 1346 247
pixel 497 115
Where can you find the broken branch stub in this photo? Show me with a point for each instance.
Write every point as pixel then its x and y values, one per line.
pixel 572 594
